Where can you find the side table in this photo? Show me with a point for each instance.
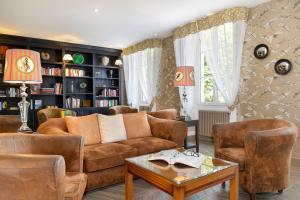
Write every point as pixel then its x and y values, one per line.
pixel 191 123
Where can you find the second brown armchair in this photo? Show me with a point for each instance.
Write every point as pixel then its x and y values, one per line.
pixel 263 149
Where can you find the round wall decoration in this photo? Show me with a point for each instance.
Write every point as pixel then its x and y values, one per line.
pixel 283 66
pixel 261 51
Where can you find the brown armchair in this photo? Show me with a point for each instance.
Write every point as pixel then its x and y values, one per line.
pixel 164 114
pixel 263 149
pixel 48 113
pixel 41 167
pixel 121 110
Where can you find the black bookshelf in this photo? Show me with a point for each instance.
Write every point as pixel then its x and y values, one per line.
pixel 100 80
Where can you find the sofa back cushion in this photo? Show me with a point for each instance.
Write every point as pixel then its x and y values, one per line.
pixel 86 126
pixel 136 125
pixel 111 128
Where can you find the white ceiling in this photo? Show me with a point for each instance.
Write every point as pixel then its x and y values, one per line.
pixel 117 24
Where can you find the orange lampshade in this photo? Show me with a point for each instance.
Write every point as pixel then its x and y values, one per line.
pixel 184 76
pixel 22 66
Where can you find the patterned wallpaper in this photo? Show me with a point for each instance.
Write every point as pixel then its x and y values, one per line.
pixel 168 95
pixel 263 93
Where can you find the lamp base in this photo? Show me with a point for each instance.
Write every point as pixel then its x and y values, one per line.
pixel 25 129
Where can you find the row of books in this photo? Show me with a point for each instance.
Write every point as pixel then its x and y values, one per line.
pixel 106 103
pixel 72 102
pixel 74 72
pixel 10 92
pixel 109 92
pixel 51 71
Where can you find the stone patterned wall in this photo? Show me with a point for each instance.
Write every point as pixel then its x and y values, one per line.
pixel 263 93
pixel 167 95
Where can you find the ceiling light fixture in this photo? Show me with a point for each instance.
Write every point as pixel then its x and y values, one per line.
pixel 96 10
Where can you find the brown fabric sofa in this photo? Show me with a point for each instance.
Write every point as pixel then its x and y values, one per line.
pixel 263 149
pixel 48 113
pixel 104 162
pixel 122 109
pixel 41 167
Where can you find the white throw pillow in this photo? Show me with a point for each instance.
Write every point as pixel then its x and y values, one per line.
pixel 112 128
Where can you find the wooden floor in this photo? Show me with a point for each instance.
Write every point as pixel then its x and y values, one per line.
pixel 144 191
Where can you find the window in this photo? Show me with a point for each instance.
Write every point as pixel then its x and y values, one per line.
pixel 209 90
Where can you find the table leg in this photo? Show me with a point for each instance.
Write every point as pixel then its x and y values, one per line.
pixel 128 184
pixel 185 142
pixel 234 186
pixel 197 137
pixel 178 193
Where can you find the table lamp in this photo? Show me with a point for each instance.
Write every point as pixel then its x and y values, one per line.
pixel 23 66
pixel 184 77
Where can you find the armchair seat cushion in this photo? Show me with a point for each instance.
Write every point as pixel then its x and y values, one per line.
pixel 107 155
pixel 236 155
pixel 148 145
pixel 75 185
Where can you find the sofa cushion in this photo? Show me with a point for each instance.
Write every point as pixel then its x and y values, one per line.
pixel 136 125
pixel 86 126
pixel 147 145
pixel 104 156
pixel 112 128
pixel 236 155
pixel 75 185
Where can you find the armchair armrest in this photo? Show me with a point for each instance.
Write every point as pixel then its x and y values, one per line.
pixel 55 126
pixel 268 154
pixel 32 177
pixel 173 130
pixel 69 146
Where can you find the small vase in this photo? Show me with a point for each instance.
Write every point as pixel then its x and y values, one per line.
pixel 105 60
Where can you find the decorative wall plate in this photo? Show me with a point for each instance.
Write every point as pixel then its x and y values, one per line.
pixel 83 85
pixel 78 58
pixel 261 51
pixel 283 66
pixel 45 56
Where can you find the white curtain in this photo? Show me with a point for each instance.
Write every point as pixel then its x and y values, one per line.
pixel 187 53
pixel 223 46
pixel 141 75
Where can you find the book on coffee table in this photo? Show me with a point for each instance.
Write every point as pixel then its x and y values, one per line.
pixel 183 157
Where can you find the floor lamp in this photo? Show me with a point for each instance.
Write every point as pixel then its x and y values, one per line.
pixel 184 77
pixel 23 66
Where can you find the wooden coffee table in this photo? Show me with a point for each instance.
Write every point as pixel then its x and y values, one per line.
pixel 181 181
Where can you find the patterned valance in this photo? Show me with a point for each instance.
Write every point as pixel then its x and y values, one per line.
pixel 222 17
pixel 149 43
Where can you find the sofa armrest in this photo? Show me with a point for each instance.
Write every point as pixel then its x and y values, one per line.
pixel 69 146
pixel 55 126
pixel 173 130
pixel 32 177
pixel 269 151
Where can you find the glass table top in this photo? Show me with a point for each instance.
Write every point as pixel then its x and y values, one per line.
pixel 179 173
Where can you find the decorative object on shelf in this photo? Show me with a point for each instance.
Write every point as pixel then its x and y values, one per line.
pixel 3 49
pixel 4 105
pixel 83 85
pixel 35 88
pixel 67 57
pixel 1 68
pixel 184 77
pixel 261 51
pixel 78 58
pixel 119 62
pixel 98 74
pixel 105 60
pixel 38 104
pixel 283 66
pixel 86 103
pixel 71 87
pixel 110 73
pixel 45 56
pixel 23 66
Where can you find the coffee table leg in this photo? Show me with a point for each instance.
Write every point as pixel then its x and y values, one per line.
pixel 128 184
pixel 178 193
pixel 234 186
